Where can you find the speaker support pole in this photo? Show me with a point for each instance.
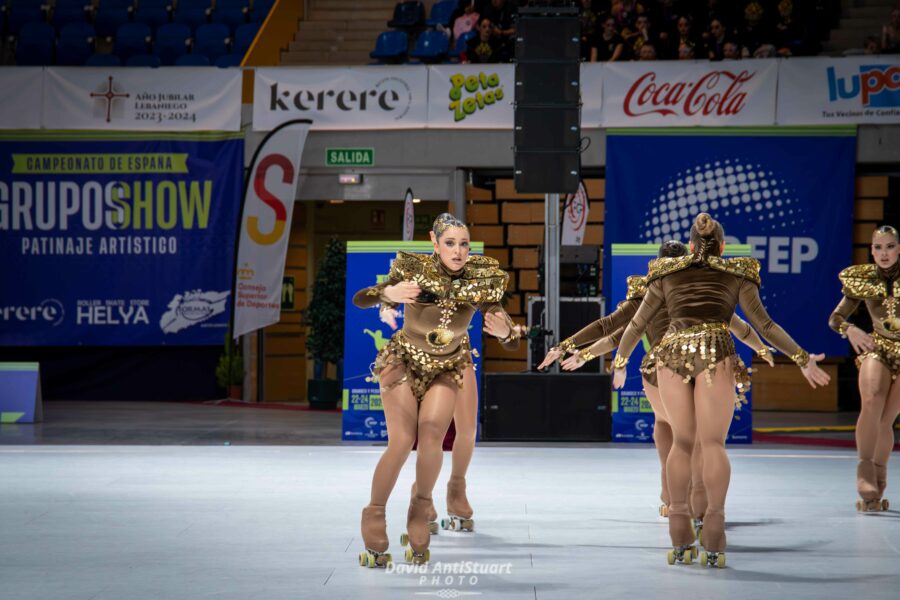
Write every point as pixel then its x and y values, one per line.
pixel 551 271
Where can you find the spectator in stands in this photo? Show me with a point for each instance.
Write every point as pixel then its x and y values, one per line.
pixel 755 31
pixel 686 53
pixel 788 37
pixel 609 46
pixel 731 51
pixel 890 33
pixel 766 51
pixel 485 47
pixel 642 34
pixel 588 28
pixel 503 16
pixel 464 19
pixel 716 38
pixel 647 52
pixel 684 37
pixel 871 45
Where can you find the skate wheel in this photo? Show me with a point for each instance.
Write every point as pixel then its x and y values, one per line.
pixel 432 527
pixel 427 554
pixel 670 557
pixel 704 559
pixel 408 555
pixel 885 504
pixel 720 561
pixel 363 559
pixel 688 557
pixel 663 510
pixel 468 525
pixel 860 506
pixel 404 539
pixel 445 524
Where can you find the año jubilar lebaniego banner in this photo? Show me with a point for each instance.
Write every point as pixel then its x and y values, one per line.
pixel 109 240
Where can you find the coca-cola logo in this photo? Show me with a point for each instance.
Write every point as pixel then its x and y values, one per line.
pixel 716 93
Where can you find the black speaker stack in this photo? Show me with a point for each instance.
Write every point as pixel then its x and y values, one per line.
pixel 547 99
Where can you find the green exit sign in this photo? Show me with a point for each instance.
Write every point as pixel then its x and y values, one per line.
pixel 350 157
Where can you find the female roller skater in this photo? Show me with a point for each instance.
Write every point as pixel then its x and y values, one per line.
pixel 700 292
pixel 609 330
pixel 878 361
pixel 426 369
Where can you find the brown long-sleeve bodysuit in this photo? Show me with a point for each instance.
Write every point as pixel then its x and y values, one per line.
pixel 605 334
pixel 701 294
pixel 880 290
pixel 433 341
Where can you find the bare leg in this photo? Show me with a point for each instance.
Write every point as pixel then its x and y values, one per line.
pixel 698 490
pixel 885 444
pixel 874 385
pixel 435 413
pixel 715 407
pixel 400 409
pixel 662 437
pixel 678 401
pixel 465 417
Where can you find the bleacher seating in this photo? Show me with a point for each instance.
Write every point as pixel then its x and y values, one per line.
pixel 391 46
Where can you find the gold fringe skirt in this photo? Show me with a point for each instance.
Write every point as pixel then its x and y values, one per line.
pixel 648 368
pixel 421 368
pixel 886 351
pixel 697 350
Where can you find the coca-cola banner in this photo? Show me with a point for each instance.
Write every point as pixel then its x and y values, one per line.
pixel 857 89
pixel 681 93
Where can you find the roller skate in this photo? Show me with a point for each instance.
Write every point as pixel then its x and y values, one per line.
pixel 458 508
pixel 664 510
pixel 881 476
pixel 374 534
pixel 682 536
pixel 713 554
pixel 868 488
pixel 417 536
pixel 432 513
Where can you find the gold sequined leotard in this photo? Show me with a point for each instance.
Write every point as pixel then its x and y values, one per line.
pixel 701 293
pixel 880 290
pixel 606 333
pixel 433 342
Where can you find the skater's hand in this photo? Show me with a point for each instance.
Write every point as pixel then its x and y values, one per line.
pixel 860 340
pixel 813 373
pixel 389 316
pixel 552 356
pixel 497 325
pixel 619 376
pixel 573 362
pixel 404 292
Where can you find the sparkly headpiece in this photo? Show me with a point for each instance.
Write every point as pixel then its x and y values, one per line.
pixel 444 222
pixel 887 229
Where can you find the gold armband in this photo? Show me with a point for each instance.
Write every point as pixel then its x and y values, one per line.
pixel 513 335
pixel 800 357
pixel 763 352
pixel 586 355
pixel 620 362
pixel 843 327
pixel 567 346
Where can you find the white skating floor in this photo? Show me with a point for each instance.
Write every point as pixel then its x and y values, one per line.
pixel 279 522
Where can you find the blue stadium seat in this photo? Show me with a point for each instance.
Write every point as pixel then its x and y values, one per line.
pixel 244 36
pixel 441 12
pixel 431 46
pixel 70 11
pixel 20 12
pixel 154 16
pixel 109 18
pixel 260 10
pixel 390 45
pixel 34 52
pixel 211 40
pixel 103 60
pixel 117 3
pixel 143 60
pixel 192 16
pixel 172 40
pixel 232 16
pixel 37 30
pixel 132 38
pixel 229 60
pixel 192 60
pixel 460 46
pixel 76 44
pixel 408 14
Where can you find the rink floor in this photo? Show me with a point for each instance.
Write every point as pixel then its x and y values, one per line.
pixel 282 522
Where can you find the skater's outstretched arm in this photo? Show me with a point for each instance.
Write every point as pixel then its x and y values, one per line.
pixel 746 334
pixel 499 324
pixel 652 303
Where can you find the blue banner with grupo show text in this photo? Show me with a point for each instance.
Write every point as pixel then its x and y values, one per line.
pixel 117 239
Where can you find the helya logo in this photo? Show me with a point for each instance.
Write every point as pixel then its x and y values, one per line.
pixel 485 89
